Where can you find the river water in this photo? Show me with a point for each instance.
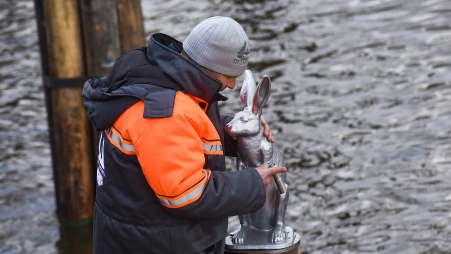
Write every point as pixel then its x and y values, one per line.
pixel 359 106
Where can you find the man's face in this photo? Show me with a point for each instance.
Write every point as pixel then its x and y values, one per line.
pixel 226 81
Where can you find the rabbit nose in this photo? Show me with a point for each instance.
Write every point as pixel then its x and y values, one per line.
pixel 228 128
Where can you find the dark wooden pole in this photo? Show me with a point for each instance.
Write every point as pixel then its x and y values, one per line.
pixel 101 43
pixel 100 35
pixel 79 39
pixel 63 67
pixel 131 26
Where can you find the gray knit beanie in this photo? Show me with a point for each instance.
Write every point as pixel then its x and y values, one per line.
pixel 219 44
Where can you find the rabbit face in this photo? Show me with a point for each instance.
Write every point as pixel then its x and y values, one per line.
pixel 254 97
pixel 245 123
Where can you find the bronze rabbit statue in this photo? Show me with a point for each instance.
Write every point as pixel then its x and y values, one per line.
pixel 255 150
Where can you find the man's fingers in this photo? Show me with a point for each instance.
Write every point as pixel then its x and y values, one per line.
pixel 267 133
pixel 276 170
pixel 266 130
pixel 263 120
pixel 267 173
pixel 273 171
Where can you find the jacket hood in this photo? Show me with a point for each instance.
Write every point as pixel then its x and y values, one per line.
pixel 152 74
pixel 185 73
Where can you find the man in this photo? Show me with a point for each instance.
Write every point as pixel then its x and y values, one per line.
pixel 162 185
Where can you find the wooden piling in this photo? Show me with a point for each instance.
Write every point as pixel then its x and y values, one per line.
pixel 131 26
pixel 79 39
pixel 100 35
pixel 63 65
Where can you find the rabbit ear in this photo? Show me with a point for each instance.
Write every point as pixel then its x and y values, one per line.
pixel 262 95
pixel 248 90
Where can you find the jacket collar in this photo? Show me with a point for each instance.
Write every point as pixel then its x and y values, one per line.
pixel 186 74
pixel 202 104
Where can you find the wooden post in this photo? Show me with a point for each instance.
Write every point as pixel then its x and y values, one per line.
pixel 79 39
pixel 101 44
pixel 63 67
pixel 100 35
pixel 131 26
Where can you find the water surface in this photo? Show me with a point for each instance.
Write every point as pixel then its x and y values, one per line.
pixel 359 107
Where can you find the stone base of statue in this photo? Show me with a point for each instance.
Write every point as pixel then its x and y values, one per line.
pixel 259 242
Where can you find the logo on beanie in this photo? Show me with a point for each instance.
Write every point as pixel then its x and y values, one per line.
pixel 242 55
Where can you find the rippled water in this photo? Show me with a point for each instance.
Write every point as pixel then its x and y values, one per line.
pixel 359 106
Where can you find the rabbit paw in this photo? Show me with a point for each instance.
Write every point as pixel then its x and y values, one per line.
pixel 278 235
pixel 238 238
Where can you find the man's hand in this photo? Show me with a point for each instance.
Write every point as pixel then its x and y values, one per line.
pixel 266 131
pixel 267 173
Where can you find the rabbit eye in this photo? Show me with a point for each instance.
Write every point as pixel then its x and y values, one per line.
pixel 243 120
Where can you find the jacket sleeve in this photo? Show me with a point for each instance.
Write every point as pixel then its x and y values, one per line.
pixel 227 194
pixel 171 155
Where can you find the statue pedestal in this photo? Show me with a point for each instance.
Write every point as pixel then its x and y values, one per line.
pixel 259 242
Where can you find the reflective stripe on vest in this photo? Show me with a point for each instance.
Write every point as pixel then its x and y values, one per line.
pixel 175 202
pixel 120 142
pixel 212 147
